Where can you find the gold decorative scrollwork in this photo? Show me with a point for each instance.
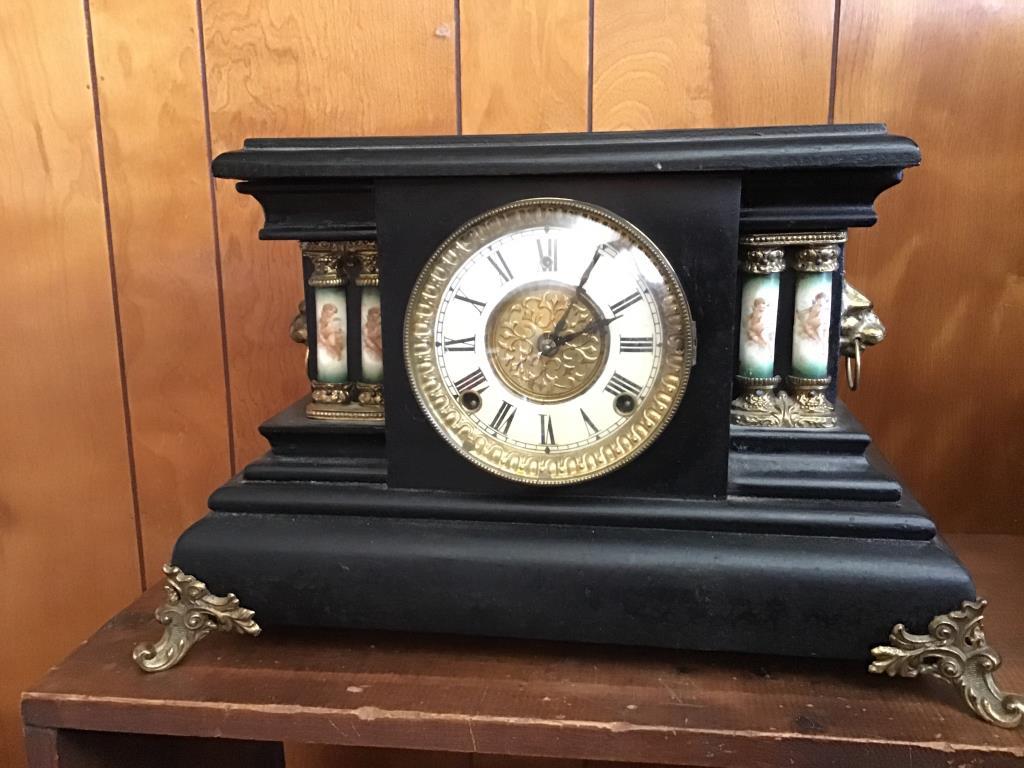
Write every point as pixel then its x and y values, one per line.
pixel 189 614
pixel 369 394
pixel 806 406
pixel 328 260
pixel 760 406
pixel 364 256
pixel 954 650
pixel 328 392
pixel 763 260
pixel 757 405
pixel 818 258
pixel 517 327
pixel 332 261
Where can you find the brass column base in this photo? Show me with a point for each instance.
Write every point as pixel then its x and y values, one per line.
pixel 954 650
pixel 760 405
pixel 357 402
pixel 807 405
pixel 190 614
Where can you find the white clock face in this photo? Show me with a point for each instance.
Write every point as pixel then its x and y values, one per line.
pixel 549 341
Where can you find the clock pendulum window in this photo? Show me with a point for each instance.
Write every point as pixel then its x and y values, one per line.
pixel 548 368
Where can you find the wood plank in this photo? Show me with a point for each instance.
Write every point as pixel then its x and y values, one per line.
pixel 278 69
pixel 711 63
pixel 524 65
pixel 67 532
pixel 943 396
pixel 533 699
pixel 154 134
pixel 98 749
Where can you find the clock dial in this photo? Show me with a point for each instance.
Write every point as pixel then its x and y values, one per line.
pixel 549 341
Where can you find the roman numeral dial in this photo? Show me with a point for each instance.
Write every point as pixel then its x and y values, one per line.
pixel 502 420
pixel 548 341
pixel 636 344
pixel 467 344
pixel 471 381
pixel 625 303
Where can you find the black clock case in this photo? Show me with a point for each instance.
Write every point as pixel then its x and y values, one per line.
pixel 692 220
pixel 785 541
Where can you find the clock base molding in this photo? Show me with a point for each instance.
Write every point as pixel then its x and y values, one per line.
pixel 762 463
pixel 792 561
pixel 715 590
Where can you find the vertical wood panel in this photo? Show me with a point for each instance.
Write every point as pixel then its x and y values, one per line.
pixel 524 65
pixel 317 68
pixel 943 395
pixel 711 63
pixel 67 534
pixel 154 136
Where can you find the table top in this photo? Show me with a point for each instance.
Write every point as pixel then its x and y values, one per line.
pixel 543 699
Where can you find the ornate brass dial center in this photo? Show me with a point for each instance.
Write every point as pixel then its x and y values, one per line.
pixel 526 355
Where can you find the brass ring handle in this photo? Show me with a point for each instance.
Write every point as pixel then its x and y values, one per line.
pixel 853 366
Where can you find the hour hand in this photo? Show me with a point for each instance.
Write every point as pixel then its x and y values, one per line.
pixel 593 325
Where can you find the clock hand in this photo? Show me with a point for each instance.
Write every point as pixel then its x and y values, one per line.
pixel 604 248
pixel 593 325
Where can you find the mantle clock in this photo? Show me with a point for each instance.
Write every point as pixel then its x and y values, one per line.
pixel 583 388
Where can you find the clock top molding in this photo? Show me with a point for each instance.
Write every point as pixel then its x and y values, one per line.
pixel 800 178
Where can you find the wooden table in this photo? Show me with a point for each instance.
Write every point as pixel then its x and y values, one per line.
pixel 234 700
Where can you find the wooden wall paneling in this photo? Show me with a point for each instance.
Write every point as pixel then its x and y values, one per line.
pixel 318 68
pixel 525 65
pixel 154 137
pixel 68 557
pixel 711 63
pixel 943 395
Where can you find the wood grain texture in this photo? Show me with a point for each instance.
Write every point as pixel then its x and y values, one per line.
pixel 322 68
pixel 943 396
pixel 67 531
pixel 154 135
pixel 524 65
pixel 704 63
pixel 546 700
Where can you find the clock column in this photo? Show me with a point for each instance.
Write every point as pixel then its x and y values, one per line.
pixel 760 269
pixel 344 361
pixel 808 381
pixel 806 349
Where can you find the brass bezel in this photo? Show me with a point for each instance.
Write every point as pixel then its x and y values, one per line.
pixel 531 467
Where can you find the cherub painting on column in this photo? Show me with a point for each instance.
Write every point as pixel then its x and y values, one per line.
pixel 331 354
pixel 759 313
pixel 811 324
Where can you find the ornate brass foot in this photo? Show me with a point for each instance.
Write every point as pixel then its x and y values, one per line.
pixel 189 615
pixel 954 650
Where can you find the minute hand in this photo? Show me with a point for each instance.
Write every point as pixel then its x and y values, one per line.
pixel 601 251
